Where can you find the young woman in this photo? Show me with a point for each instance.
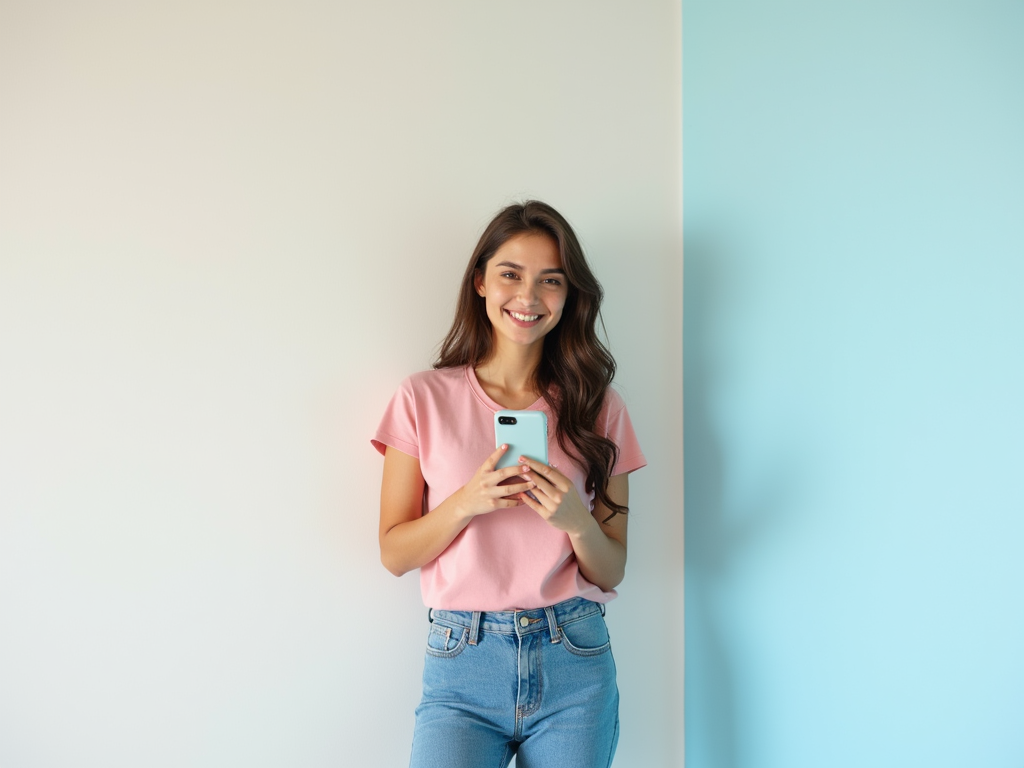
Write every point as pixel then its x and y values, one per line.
pixel 516 564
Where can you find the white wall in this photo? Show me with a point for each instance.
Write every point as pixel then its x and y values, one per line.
pixel 227 231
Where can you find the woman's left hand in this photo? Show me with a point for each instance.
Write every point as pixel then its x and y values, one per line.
pixel 557 500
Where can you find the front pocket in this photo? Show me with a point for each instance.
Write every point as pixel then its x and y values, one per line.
pixel 586 637
pixel 445 642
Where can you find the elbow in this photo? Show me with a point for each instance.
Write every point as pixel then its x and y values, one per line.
pixel 391 565
pixel 606 582
pixel 608 578
pixel 607 585
pixel 387 557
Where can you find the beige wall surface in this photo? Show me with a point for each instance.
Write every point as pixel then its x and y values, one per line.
pixel 227 231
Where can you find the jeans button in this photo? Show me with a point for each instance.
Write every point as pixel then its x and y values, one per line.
pixel 523 621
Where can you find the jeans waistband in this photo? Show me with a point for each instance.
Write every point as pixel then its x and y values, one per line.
pixel 520 622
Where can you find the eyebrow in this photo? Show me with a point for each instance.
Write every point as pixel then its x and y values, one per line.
pixel 520 267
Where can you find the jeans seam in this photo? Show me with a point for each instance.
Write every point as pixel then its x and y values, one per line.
pixel 614 744
pixel 538 697
pixel 584 652
pixel 574 620
pixel 459 648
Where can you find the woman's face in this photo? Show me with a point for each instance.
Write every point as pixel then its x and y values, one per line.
pixel 524 288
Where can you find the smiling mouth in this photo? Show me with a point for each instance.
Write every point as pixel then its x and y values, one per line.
pixel 522 317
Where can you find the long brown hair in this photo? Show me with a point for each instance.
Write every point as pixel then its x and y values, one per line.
pixel 576 368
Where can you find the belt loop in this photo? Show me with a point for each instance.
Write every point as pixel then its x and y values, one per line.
pixel 474 628
pixel 430 615
pixel 602 607
pixel 552 626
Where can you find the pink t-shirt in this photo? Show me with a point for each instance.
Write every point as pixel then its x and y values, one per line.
pixel 508 559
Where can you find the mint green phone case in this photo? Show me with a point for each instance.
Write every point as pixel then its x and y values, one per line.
pixel 526 433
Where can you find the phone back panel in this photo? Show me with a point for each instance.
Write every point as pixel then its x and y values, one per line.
pixel 527 437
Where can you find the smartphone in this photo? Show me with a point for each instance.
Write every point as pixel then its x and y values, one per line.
pixel 525 432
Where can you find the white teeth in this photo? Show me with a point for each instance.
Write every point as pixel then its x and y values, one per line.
pixel 524 318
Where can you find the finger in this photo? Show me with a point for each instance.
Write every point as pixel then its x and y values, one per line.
pixel 513 471
pixel 533 504
pixel 517 500
pixel 544 485
pixel 548 475
pixel 504 502
pixel 542 499
pixel 492 460
pixel 556 477
pixel 511 490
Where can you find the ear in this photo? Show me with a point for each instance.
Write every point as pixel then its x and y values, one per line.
pixel 478 283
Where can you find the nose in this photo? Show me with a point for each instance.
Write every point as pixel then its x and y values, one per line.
pixel 527 293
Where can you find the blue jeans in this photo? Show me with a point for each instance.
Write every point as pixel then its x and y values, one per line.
pixel 537 684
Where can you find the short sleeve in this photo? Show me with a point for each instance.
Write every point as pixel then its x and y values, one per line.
pixel 398 425
pixel 615 424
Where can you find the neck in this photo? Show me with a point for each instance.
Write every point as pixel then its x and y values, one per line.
pixel 509 370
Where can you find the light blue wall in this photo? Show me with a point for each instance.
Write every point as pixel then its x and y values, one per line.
pixel 854 384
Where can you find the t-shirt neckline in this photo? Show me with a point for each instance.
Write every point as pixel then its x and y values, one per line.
pixel 484 398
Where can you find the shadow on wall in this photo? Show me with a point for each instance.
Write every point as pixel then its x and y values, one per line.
pixel 720 525
pixel 709 689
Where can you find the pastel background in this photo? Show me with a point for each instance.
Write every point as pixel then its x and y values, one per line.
pixel 854 390
pixel 227 231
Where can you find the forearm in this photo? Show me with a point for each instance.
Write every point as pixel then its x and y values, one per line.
pixel 414 543
pixel 601 559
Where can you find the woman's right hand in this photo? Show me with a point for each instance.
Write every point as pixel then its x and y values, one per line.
pixel 484 492
pixel 410 539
